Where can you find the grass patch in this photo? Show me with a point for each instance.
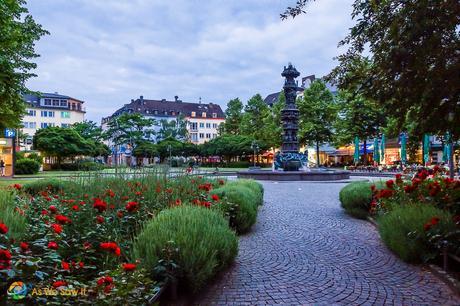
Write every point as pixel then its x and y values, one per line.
pixel 8 215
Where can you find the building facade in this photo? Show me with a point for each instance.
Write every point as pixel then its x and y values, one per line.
pixel 49 109
pixel 203 119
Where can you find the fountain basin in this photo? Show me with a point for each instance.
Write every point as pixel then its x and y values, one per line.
pixel 312 175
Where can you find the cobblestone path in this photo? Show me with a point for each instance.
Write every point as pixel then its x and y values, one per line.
pixel 305 250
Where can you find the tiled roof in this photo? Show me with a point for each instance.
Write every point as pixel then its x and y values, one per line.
pixel 272 98
pixel 164 108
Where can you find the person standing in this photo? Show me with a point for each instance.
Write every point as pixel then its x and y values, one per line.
pixel 2 167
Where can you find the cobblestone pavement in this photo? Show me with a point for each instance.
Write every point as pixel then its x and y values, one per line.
pixel 305 250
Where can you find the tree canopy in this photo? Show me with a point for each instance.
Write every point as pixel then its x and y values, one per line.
pixel 18 34
pixel 129 129
pixel 233 117
pixel 173 128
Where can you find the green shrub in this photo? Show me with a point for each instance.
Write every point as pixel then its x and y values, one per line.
pixel 8 215
pixel 251 184
pixel 79 166
pixel 204 241
pixel 356 197
pixel 51 185
pixel 35 156
pixel 239 204
pixel 26 166
pixel 402 230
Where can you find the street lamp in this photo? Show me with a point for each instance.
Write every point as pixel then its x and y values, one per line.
pixel 450 118
pixel 254 147
pixel 169 150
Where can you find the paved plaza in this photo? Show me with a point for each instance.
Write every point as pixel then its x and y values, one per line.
pixel 305 250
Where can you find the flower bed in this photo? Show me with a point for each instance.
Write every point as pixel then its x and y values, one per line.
pixel 80 235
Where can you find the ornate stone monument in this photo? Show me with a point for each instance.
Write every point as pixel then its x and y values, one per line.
pixel 290 159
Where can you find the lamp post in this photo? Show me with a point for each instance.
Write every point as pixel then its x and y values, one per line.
pixel 450 118
pixel 254 147
pixel 169 150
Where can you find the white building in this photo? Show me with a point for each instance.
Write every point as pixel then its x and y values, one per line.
pixel 49 110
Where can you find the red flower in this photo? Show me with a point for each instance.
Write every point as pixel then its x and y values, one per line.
pixel 24 246
pixel 81 264
pixel 221 182
pixel 87 245
pixel 398 178
pixel 75 208
pixel 178 202
pixel 132 206
pixel 206 204
pixel 111 247
pixel 52 209
pixel 100 205
pixel 44 212
pixel 128 267
pixel 119 214
pixel 138 193
pixel 158 189
pixel 434 220
pixel 373 188
pixel 215 197
pixel 205 186
pixel 100 219
pixel 57 228
pixel 409 188
pixel 106 281
pixel 17 186
pixel 58 284
pixel 384 193
pixel 124 198
pixel 3 228
pixel 110 193
pixel 65 265
pixel 52 245
pixel 62 219
pixel 427 226
pixel 5 259
pixel 390 184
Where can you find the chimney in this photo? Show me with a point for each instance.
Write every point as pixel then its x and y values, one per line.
pixel 132 100
pixel 176 98
pixel 163 100
pixel 199 101
pixel 141 98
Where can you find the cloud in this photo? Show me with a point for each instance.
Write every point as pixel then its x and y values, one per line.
pixel 108 52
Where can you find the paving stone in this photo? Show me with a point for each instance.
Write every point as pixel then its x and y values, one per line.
pixel 304 250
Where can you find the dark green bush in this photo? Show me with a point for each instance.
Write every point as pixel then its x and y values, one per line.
pixel 36 157
pixel 26 166
pixel 251 184
pixel 78 166
pixel 402 230
pixel 239 204
pixel 51 185
pixel 205 243
pixel 356 198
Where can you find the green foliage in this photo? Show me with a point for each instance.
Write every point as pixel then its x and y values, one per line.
pixel 62 143
pixel 273 127
pixel 146 149
pixel 129 129
pixel 170 147
pixel 26 166
pixel 51 185
pixel 317 115
pixel 233 117
pixel 18 34
pixel 88 130
pixel 410 56
pixel 35 156
pixel 239 202
pixel 251 184
pixel 176 129
pixel 356 198
pixel 402 230
pixel 252 123
pixel 204 241
pixel 10 216
pixel 227 146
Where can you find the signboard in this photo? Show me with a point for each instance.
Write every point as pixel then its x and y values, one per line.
pixel 10 133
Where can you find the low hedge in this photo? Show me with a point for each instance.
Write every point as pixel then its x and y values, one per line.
pixel 26 166
pixel 356 197
pixel 203 239
pixel 402 230
pixel 51 185
pixel 239 202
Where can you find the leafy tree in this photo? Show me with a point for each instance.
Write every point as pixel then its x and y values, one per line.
pixel 253 118
pixel 317 114
pixel 146 150
pixel 357 116
pixel 173 128
pixel 273 127
pixel 61 143
pixel 88 130
pixel 233 117
pixel 414 60
pixel 129 129
pixel 227 146
pixel 170 146
pixel 18 33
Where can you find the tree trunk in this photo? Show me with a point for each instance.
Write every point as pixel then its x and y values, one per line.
pixel 365 152
pixel 317 154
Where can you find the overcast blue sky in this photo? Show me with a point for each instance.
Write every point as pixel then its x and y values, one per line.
pixel 107 52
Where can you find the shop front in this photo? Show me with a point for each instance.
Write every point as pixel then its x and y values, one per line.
pixel 6 155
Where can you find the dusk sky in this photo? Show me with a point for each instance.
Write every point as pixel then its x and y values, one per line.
pixel 107 52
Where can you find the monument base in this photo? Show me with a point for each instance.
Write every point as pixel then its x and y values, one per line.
pixel 290 161
pixel 313 175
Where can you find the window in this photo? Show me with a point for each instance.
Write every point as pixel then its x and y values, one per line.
pixel 65 114
pixel 193 126
pixel 155 112
pixel 214 135
pixel 50 114
pixel 203 114
pixel 55 102
pixel 44 113
pixel 47 101
pixel 214 125
pixel 193 114
pixel 201 125
pixel 194 136
pixel 63 103
pixel 30 125
pixel 208 125
pixel 214 115
pixel 65 125
pixel 45 125
pixel 201 135
pixel 208 135
pixel 31 112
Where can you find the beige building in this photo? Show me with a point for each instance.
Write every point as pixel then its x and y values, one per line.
pixel 49 110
